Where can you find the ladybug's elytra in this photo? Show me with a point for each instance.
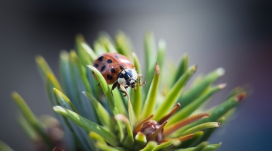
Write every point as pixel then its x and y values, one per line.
pixel 117 70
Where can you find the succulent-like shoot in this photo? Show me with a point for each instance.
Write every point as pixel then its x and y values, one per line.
pixel 161 115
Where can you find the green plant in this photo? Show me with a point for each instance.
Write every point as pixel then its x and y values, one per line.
pixel 93 118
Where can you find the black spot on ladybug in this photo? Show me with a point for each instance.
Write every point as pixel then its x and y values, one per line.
pixel 112 70
pixel 122 67
pixel 96 65
pixel 100 58
pixel 102 68
pixel 109 77
pixel 109 61
pixel 116 56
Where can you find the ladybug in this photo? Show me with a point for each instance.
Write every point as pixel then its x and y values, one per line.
pixel 117 70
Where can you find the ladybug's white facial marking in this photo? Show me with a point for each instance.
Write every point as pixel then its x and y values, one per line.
pixel 122 81
pixel 134 74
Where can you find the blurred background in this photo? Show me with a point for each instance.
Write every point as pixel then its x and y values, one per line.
pixel 235 35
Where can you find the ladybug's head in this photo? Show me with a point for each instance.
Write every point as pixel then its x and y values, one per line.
pixel 128 78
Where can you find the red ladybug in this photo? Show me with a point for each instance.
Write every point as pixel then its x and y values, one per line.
pixel 117 70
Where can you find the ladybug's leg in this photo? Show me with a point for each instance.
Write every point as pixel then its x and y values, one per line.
pixel 125 93
pixel 140 80
pixel 114 86
pixel 123 90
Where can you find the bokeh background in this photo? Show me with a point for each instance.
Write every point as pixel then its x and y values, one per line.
pixel 235 35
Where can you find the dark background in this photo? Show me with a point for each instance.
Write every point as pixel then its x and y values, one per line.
pixel 235 35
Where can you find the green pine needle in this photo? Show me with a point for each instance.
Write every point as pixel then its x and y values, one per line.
pixel 158 115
